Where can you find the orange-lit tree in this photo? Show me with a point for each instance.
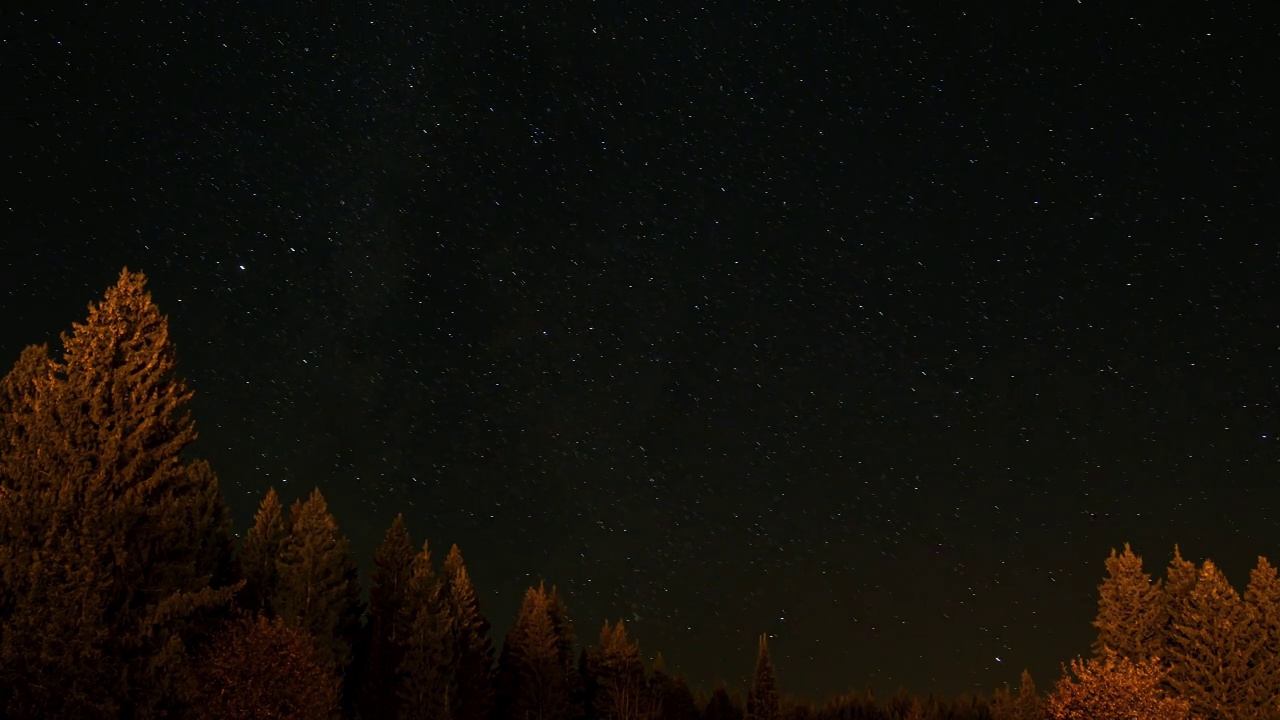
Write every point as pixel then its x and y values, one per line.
pixel 1114 687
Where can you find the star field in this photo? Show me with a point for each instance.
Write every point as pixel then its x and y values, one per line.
pixel 869 329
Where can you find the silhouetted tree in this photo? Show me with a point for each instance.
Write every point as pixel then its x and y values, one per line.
pixel 762 697
pixel 107 527
pixel 427 682
pixel 722 705
pixel 389 585
pixel 1114 687
pixel 319 589
pixel 259 554
pixel 470 647
pixel 262 668
pixel 1027 705
pixel 1130 609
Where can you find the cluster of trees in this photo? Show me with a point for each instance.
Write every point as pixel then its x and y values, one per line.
pixel 122 594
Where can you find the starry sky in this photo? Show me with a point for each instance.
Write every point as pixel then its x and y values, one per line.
pixel 872 329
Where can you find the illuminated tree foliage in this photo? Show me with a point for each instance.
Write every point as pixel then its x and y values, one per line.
pixel 1114 687
pixel 427 683
pixel 533 677
pixel 261 669
pixel 112 538
pixel 762 697
pixel 1130 609
pixel 471 651
pixel 1260 697
pixel 392 570
pixel 319 590
pixel 259 554
pixel 1207 646
pixel 621 691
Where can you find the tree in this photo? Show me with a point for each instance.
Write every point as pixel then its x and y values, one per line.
pixel 1130 611
pixel 470 647
pixel 1205 646
pixel 112 534
pixel 721 705
pixel 619 673
pixel 262 668
pixel 1262 604
pixel 319 590
pixel 762 698
pixel 533 678
pixel 427 681
pixel 259 554
pixel 1027 705
pixel 1114 687
pixel 389 585
pixel 566 641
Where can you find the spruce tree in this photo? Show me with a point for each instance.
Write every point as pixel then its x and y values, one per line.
pixel 319 590
pixel 471 649
pixel 1204 646
pixel 566 641
pixel 762 698
pixel 619 672
pixel 259 554
pixel 1262 604
pixel 1027 705
pixel 123 525
pixel 427 683
pixel 1130 611
pixel 532 673
pixel 388 588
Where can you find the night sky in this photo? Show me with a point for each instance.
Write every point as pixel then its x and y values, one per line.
pixel 870 329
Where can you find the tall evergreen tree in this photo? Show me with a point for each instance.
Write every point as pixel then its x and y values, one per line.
pixel 427 680
pixel 319 590
pixel 620 682
pixel 471 649
pixel 1204 646
pixel 1130 611
pixel 259 554
pixel 120 522
pixel 533 679
pixel 1027 705
pixel 763 702
pixel 566 641
pixel 1262 604
pixel 721 705
pixel 384 650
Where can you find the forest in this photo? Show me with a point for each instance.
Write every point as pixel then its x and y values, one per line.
pixel 123 593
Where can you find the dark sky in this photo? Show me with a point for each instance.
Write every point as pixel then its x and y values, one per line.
pixel 870 329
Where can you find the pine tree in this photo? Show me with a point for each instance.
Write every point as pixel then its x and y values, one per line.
pixel 533 678
pixel 1130 613
pixel 472 651
pixel 1002 704
pixel 1114 687
pixel 388 588
pixel 427 680
pixel 1204 646
pixel 1262 604
pixel 260 668
pixel 620 681
pixel 319 590
pixel 762 697
pixel 259 555
pixel 566 641
pixel 721 706
pixel 108 526
pixel 1027 705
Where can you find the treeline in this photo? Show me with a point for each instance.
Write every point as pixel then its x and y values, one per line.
pixel 122 594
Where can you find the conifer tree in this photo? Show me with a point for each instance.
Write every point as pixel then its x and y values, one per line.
pixel 1205 646
pixel 259 554
pixel 532 673
pixel 1262 604
pixel 1002 704
pixel 1130 611
pixel 1114 687
pixel 762 698
pixel 319 589
pixel 1028 704
pixel 566 641
pixel 260 668
pixel 388 588
pixel 427 680
pixel 619 672
pixel 678 702
pixel 122 524
pixel 721 706
pixel 471 649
